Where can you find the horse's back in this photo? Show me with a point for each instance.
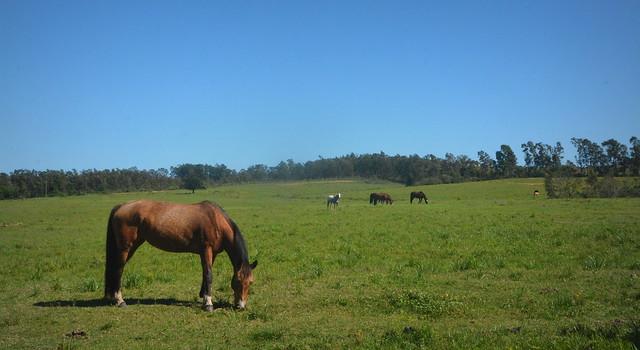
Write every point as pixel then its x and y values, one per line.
pixel 157 211
pixel 168 226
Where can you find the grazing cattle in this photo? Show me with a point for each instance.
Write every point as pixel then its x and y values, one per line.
pixel 202 228
pixel 381 197
pixel 333 200
pixel 420 196
pixel 536 193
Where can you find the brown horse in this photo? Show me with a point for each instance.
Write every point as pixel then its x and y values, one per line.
pixel 420 196
pixel 202 228
pixel 381 197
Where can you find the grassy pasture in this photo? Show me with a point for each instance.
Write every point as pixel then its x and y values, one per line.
pixel 484 265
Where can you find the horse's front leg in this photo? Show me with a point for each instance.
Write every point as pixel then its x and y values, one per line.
pixel 206 258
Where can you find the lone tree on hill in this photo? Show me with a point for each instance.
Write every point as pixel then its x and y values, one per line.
pixel 192 176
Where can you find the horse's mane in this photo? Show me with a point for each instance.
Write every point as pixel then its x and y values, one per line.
pixel 240 243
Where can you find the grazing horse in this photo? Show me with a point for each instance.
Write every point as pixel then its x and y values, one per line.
pixel 333 199
pixel 420 196
pixel 381 197
pixel 202 228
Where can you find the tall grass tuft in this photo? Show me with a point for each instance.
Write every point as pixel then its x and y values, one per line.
pixel 464 264
pixel 134 280
pixel 593 263
pixel 89 285
pixel 408 338
pixel 424 303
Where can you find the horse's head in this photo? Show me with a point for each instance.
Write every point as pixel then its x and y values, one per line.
pixel 240 283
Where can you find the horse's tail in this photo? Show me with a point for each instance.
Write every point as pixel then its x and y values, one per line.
pixel 371 198
pixel 112 256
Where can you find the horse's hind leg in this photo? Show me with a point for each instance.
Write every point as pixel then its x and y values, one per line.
pixel 115 267
pixel 115 278
pixel 206 258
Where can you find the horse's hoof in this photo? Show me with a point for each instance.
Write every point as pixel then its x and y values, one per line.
pixel 122 304
pixel 208 308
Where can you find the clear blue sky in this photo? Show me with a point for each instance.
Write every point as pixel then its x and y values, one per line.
pixel 110 84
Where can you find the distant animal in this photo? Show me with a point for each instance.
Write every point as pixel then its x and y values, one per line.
pixel 420 196
pixel 536 193
pixel 203 228
pixel 381 197
pixel 333 200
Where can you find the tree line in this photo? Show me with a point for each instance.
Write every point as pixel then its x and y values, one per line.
pixel 607 158
pixel 32 183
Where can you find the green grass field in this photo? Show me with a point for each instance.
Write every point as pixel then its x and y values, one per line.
pixel 484 265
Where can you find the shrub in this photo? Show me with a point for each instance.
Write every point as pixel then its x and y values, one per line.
pixel 563 186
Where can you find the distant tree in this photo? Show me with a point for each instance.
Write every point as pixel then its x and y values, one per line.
pixel 6 187
pixel 506 161
pixel 257 172
pixel 542 155
pixel 547 157
pixel 450 169
pixel 295 169
pixel 557 153
pixel 280 171
pixel 487 165
pixel 469 168
pixel 529 151
pixel 192 176
pixel 634 160
pixel 582 148
pixel 218 173
pixel 590 155
pixel 616 155
pixel 193 182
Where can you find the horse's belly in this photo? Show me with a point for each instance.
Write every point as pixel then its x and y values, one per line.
pixel 172 243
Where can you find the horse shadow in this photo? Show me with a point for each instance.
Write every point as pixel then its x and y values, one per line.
pixel 218 304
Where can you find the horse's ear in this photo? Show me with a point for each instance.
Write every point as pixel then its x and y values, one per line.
pixel 254 264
